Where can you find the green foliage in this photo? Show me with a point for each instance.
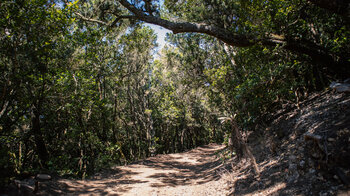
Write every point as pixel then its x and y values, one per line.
pixel 71 91
pixel 77 96
pixel 181 105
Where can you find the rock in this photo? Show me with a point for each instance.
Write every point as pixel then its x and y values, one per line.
pixel 315 155
pixel 290 179
pixel 43 177
pixel 347 81
pixel 310 163
pixel 292 158
pixel 331 139
pixel 293 178
pixel 312 171
pixel 323 194
pixel 320 177
pixel 40 178
pixel 340 87
pixel 292 167
pixel 302 163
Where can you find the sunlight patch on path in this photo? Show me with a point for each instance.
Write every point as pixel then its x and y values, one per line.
pixel 189 173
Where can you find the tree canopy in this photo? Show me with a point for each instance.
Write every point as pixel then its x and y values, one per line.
pixel 294 26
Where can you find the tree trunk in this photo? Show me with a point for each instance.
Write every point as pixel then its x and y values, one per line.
pixel 241 147
pixel 39 141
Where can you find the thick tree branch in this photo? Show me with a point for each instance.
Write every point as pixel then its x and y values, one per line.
pixel 183 27
pixel 222 34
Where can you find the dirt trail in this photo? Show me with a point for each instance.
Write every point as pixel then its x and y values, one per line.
pixel 195 172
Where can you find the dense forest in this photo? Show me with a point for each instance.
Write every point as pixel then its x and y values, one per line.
pixel 80 89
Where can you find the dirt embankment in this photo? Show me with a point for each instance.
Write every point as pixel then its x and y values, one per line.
pixel 304 151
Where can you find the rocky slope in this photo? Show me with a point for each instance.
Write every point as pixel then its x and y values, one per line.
pixel 304 151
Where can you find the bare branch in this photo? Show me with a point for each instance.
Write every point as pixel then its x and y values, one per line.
pixel 90 19
pixel 121 18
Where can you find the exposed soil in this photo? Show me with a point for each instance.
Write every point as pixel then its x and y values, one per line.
pixel 196 172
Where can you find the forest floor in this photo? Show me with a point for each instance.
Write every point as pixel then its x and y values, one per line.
pixel 196 172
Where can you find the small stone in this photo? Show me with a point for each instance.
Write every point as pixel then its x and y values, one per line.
pixel 43 177
pixel 312 171
pixel 290 179
pixel 292 167
pixel 331 139
pixel 315 155
pixel 310 163
pixel 336 177
pixel 323 194
pixel 292 158
pixel 320 178
pixel 293 178
pixel 302 164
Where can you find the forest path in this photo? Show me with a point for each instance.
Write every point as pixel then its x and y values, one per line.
pixel 195 172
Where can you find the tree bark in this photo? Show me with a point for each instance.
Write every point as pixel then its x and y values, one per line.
pixel 241 147
pixel 39 141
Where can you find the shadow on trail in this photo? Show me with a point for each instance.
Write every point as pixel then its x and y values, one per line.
pixel 200 167
pixel 101 184
pixel 197 166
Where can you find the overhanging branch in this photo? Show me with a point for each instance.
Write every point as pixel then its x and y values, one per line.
pixel 184 27
pixel 233 39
